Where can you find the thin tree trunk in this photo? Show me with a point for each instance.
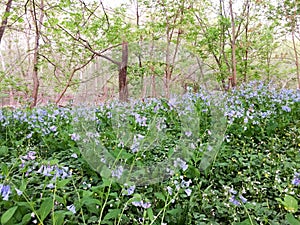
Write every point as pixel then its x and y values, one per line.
pixel 233 47
pixel 38 26
pixel 123 88
pixel 296 58
pixel 5 18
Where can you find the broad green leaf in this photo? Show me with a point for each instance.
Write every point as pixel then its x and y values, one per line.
pixel 62 183
pixel 291 219
pixel 8 214
pixel 112 214
pixel 3 150
pixel 160 196
pixel 290 203
pixel 46 208
pixel 59 217
pixel 150 214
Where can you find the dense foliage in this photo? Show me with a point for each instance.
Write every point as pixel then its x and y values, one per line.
pixel 50 173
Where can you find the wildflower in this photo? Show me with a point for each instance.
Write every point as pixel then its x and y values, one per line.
pixel 188 192
pixel 51 186
pixel 296 179
pixel 170 191
pixel 118 172
pixel 286 108
pixel 182 164
pixel 19 192
pixel 188 133
pixel 242 198
pixel 234 201
pixel 74 155
pixel 129 191
pixel 72 208
pixel 75 137
pixel 142 204
pixel 30 155
pixel 5 191
pixel 53 128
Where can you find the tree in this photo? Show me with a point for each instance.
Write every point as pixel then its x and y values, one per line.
pixel 5 18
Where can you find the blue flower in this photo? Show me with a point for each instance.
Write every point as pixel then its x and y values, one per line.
pixel 296 179
pixel 75 137
pixel 129 191
pixel 182 164
pixel 5 191
pixel 72 208
pixel 286 108
pixel 118 172
pixel 142 204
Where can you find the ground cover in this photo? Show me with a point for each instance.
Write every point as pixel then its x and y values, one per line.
pixel 202 158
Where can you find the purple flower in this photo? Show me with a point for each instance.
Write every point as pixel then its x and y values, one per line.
pixel 130 190
pixel 30 155
pixel 118 172
pixel 188 192
pixel 53 128
pixel 296 179
pixel 243 199
pixel 75 137
pixel 142 204
pixel 286 108
pixel 234 201
pixel 72 208
pixel 5 191
pixel 182 164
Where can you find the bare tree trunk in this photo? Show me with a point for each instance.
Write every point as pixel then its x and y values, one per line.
pixel 38 25
pixel 233 46
pixel 296 58
pixel 5 18
pixel 123 87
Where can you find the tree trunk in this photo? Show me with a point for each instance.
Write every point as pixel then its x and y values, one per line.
pixel 5 18
pixel 233 46
pixel 38 25
pixel 296 58
pixel 123 87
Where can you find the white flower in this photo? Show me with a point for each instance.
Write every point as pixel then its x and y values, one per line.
pixel 72 208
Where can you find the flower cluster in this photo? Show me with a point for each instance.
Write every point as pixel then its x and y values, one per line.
pixel 296 179
pixel 236 199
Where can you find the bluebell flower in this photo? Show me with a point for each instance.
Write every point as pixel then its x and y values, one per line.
pixel 75 137
pixel 234 201
pixel 182 164
pixel 142 204
pixel 117 172
pixel 170 190
pixel 296 179
pixel 5 191
pixel 129 191
pixel 72 208
pixel 242 198
pixel 188 192
pixel 29 156
pixel 19 192
pixel 286 108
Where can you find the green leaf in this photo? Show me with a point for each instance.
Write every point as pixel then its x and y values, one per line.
pixel 150 214
pixel 46 208
pixel 160 196
pixel 8 214
pixel 4 168
pixel 290 203
pixel 291 219
pixel 59 217
pixel 112 214
pixel 62 183
pixel 3 150
pixel 174 212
